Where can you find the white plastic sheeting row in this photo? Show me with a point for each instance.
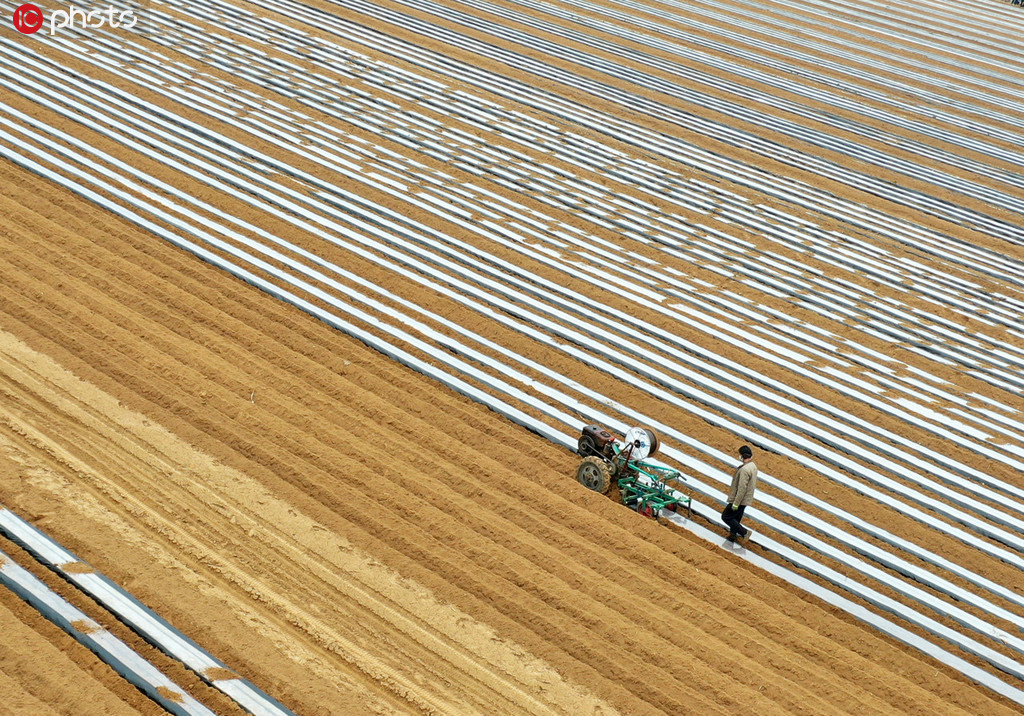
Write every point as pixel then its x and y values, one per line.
pixel 114 652
pixel 142 621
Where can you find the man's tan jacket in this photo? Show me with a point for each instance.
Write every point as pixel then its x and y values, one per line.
pixel 744 482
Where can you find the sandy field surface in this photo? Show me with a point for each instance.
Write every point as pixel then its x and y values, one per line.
pixel 353 536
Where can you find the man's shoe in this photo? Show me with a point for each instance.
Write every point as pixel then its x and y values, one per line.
pixel 745 539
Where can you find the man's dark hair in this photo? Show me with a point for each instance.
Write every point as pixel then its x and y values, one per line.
pixel 746 452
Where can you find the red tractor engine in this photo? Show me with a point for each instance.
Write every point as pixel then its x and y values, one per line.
pixel 597 441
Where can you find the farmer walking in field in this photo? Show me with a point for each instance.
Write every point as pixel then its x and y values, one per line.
pixel 741 494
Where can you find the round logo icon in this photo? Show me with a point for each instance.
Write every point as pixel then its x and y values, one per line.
pixel 28 19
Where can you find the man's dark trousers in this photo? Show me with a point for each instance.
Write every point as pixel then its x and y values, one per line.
pixel 732 518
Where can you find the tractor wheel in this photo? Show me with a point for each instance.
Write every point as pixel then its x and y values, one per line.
pixel 586 446
pixel 593 474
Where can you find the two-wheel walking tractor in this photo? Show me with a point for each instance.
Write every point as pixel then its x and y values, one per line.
pixel 642 483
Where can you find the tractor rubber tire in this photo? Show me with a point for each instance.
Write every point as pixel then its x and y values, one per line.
pixel 593 473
